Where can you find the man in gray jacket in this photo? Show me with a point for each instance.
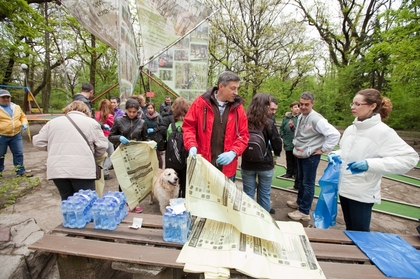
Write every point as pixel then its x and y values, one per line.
pixel 313 136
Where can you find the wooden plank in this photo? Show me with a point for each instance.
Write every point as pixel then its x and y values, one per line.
pixel 146 255
pixel 323 251
pixel 414 240
pixel 111 251
pixel 339 237
pixel 122 233
pixel 149 220
pixel 350 271
pixel 338 252
pixel 327 236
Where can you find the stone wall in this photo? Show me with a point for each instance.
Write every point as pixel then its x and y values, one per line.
pixel 16 260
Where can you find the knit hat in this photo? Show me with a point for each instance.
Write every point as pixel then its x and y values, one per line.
pixel 4 93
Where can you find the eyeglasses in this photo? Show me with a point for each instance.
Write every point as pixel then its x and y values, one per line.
pixel 357 104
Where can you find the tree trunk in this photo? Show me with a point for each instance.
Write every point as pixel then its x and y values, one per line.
pixel 46 93
pixel 93 57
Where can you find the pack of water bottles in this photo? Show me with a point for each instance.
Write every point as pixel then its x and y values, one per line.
pixel 77 209
pixel 176 222
pixel 107 212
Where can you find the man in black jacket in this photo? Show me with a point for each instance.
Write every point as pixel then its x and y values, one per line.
pixel 85 96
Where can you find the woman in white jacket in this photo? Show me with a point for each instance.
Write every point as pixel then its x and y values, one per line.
pixel 369 149
pixel 70 162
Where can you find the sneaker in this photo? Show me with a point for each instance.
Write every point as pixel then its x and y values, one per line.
pixel 287 176
pixel 292 188
pixel 138 209
pixel 272 211
pixel 292 204
pixel 297 216
pixel 25 174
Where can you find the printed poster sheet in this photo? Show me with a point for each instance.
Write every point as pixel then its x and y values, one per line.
pixel 183 67
pixel 215 247
pixel 210 194
pixel 163 22
pixel 233 232
pixel 136 167
pixel 99 17
pixel 128 60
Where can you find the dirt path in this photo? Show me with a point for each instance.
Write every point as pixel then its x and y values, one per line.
pixel 43 203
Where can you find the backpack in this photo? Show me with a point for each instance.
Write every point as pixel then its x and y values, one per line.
pixel 257 147
pixel 176 155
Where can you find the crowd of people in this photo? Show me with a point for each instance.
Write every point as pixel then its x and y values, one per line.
pixel 217 126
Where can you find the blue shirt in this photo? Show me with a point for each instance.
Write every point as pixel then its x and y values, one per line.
pixel 8 109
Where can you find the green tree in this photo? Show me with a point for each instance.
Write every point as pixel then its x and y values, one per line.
pixel 250 38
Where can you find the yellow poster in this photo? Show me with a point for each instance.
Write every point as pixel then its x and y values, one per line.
pixel 136 167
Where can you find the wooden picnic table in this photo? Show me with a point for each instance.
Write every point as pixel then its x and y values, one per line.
pixel 98 253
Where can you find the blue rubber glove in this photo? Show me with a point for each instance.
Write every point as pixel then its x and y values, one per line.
pixel 106 127
pixel 193 152
pixel 24 126
pixel 150 130
pixel 155 147
pixel 124 140
pixel 358 167
pixel 225 158
pixel 332 158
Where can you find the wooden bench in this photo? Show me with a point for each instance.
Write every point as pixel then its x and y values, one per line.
pixel 144 253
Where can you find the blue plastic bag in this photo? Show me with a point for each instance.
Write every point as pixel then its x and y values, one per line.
pixel 390 253
pixel 326 208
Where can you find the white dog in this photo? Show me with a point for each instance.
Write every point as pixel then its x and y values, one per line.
pixel 165 188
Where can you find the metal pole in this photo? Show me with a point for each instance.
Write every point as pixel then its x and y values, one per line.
pixel 103 93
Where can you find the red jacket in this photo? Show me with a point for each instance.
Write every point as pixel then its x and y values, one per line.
pixel 198 124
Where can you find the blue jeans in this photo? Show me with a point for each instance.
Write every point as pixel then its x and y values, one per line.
pixel 265 178
pixel 306 182
pixel 232 178
pixel 357 215
pixel 15 144
pixel 107 161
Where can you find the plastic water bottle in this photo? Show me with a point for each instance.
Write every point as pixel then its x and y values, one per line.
pixel 65 213
pixel 167 226
pixel 96 214
pixel 72 220
pixel 183 227
pixel 90 197
pixel 79 207
pixel 176 227
pixel 120 199
pixel 111 208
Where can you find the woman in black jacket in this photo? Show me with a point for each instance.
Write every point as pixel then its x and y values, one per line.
pixel 261 171
pixel 129 127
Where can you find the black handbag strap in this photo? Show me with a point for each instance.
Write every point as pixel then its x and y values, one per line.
pixel 81 133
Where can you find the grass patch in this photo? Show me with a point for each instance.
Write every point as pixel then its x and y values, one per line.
pixel 12 187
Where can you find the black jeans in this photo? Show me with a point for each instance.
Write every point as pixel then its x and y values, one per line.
pixel 357 215
pixel 67 187
pixel 291 163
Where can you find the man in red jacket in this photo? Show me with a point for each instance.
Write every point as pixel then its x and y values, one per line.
pixel 216 125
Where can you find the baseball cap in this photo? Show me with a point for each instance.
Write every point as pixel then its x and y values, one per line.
pixel 4 93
